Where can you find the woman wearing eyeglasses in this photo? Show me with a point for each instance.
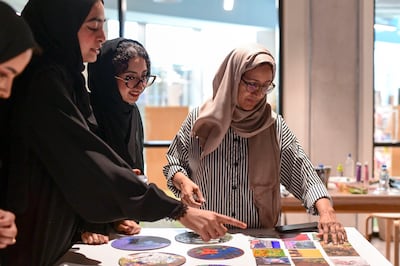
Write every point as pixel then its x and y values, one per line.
pixel 116 81
pixel 232 153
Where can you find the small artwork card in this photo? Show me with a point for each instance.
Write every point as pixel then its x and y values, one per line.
pixel 264 243
pixel 263 261
pixel 300 244
pixel 310 261
pixel 305 253
pixel 345 249
pixel 269 252
pixel 295 237
pixel 353 261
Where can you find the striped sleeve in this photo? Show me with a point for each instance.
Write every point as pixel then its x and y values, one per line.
pixel 177 154
pixel 297 171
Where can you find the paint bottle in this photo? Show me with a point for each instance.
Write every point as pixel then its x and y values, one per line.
pixel 358 172
pixel 339 169
pixel 366 175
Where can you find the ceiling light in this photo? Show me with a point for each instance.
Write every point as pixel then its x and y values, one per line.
pixel 228 5
pixel 167 1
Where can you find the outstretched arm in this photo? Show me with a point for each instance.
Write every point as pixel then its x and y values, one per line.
pixel 208 224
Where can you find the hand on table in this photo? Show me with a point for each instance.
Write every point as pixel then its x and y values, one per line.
pixel 190 192
pixel 127 227
pixel 94 238
pixel 330 229
pixel 208 224
pixel 8 229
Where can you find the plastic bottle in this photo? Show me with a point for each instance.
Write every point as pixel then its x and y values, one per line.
pixel 339 169
pixel 349 167
pixel 321 173
pixel 384 178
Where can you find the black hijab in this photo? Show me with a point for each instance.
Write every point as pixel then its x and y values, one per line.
pixel 15 35
pixel 55 25
pixel 119 123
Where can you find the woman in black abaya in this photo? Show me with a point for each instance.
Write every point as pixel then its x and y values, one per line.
pixel 16 48
pixel 116 80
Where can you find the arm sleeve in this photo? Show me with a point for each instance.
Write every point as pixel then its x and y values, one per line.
pixel 297 172
pixel 94 180
pixel 178 152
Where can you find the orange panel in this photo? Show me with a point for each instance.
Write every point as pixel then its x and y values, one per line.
pixel 161 123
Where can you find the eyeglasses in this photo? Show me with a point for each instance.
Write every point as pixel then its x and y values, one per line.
pixel 254 87
pixel 132 82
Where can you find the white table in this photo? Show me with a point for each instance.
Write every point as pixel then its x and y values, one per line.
pixel 81 254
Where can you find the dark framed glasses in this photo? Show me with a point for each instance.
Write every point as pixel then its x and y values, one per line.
pixel 254 87
pixel 132 82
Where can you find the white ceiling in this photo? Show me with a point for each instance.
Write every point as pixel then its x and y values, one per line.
pixel 389 9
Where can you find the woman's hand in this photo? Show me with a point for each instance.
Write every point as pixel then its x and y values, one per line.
pixel 329 228
pixel 94 238
pixel 208 224
pixel 127 227
pixel 190 192
pixel 8 229
pixel 137 171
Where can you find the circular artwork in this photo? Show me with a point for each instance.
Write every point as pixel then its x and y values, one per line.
pixel 152 259
pixel 194 238
pixel 136 243
pixel 215 252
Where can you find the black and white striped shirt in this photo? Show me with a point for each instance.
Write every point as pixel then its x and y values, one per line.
pixel 223 174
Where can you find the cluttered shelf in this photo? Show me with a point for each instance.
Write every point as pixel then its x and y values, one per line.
pixel 346 202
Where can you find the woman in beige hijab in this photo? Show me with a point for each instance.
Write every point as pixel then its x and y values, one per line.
pixel 232 153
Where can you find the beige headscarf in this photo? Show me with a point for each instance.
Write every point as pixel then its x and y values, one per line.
pixel 222 112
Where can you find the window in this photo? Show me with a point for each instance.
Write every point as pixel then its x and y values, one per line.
pixel 387 86
pixel 187 43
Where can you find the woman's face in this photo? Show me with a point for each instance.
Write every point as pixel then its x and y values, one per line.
pixel 258 76
pixel 137 70
pixel 91 34
pixel 10 69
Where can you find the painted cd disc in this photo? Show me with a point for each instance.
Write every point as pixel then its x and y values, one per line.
pixel 137 243
pixel 215 252
pixel 152 259
pixel 193 238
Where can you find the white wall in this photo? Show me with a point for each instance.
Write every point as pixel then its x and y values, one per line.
pixel 327 82
pixel 327 77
